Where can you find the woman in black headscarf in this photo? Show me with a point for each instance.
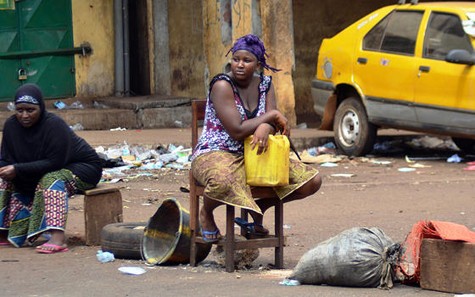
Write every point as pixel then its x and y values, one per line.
pixel 42 163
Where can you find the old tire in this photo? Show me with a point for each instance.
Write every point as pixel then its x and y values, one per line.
pixel 354 134
pixel 124 240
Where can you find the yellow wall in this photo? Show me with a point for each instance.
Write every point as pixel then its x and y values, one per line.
pixel 276 33
pixel 93 22
pixel 214 48
pixel 187 64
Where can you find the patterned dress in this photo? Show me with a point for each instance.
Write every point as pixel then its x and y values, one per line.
pixel 26 217
pixel 218 159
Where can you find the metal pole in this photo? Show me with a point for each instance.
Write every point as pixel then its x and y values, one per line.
pixel 119 49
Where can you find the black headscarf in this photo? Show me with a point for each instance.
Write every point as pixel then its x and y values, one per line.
pixel 30 93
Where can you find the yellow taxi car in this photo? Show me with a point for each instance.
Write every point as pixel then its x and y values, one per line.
pixel 405 66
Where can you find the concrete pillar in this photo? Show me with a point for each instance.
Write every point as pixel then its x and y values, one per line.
pixel 278 36
pixel 242 18
pixel 161 65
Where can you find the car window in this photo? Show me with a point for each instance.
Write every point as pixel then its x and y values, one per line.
pixel 396 33
pixel 444 33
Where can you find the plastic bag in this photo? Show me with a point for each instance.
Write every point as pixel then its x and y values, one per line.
pixel 271 168
pixel 357 257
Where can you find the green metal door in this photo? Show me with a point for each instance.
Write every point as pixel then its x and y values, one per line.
pixel 36 45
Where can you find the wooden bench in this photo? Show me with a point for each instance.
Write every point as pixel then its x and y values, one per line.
pixel 102 206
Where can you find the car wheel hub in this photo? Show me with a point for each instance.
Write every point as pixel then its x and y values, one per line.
pixel 350 128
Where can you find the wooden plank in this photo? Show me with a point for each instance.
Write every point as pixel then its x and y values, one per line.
pixel 101 189
pixel 448 266
pixel 100 210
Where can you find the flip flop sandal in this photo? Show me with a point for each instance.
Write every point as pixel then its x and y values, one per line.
pixel 210 236
pixel 49 248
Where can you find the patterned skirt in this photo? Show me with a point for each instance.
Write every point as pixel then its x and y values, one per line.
pixel 224 177
pixel 26 218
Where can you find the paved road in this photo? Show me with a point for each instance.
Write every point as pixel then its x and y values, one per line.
pixel 377 196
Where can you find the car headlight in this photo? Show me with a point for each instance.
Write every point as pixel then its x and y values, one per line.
pixel 327 69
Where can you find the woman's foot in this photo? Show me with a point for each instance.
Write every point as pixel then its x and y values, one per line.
pixel 253 230
pixel 209 230
pixel 56 243
pixel 257 225
pixel 260 229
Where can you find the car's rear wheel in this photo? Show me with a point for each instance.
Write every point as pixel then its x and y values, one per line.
pixel 466 145
pixel 354 135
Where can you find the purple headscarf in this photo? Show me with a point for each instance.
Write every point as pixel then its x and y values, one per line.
pixel 254 45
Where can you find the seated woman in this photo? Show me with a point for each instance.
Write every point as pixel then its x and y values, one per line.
pixel 42 164
pixel 239 104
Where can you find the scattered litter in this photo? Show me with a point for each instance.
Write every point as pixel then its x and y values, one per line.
pixel 324 158
pixel 60 105
pixel 409 160
pixel 99 105
pixel 470 168
pixel 343 175
pixel 132 270
pixel 454 159
pixel 178 124
pixel 118 129
pixel 327 148
pixel 406 169
pixel 77 127
pixel 115 180
pixel 329 164
pixel 380 162
pixel 289 282
pixel 131 161
pixel 11 106
pixel 104 257
pixel 418 165
pixel 76 105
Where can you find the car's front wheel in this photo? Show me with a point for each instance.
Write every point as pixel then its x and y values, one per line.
pixel 354 134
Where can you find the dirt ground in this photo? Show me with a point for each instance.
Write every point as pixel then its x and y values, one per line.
pixel 376 195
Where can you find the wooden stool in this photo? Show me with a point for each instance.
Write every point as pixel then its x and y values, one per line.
pixel 102 206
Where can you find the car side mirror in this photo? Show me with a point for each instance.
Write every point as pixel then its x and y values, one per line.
pixel 459 56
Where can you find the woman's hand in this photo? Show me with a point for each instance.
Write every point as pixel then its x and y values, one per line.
pixel 7 172
pixel 282 124
pixel 260 137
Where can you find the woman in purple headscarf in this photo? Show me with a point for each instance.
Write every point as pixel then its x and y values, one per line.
pixel 43 163
pixel 239 104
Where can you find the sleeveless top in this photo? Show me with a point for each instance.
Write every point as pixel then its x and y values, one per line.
pixel 214 136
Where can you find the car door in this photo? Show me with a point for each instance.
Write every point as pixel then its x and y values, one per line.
pixel 385 68
pixel 445 92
